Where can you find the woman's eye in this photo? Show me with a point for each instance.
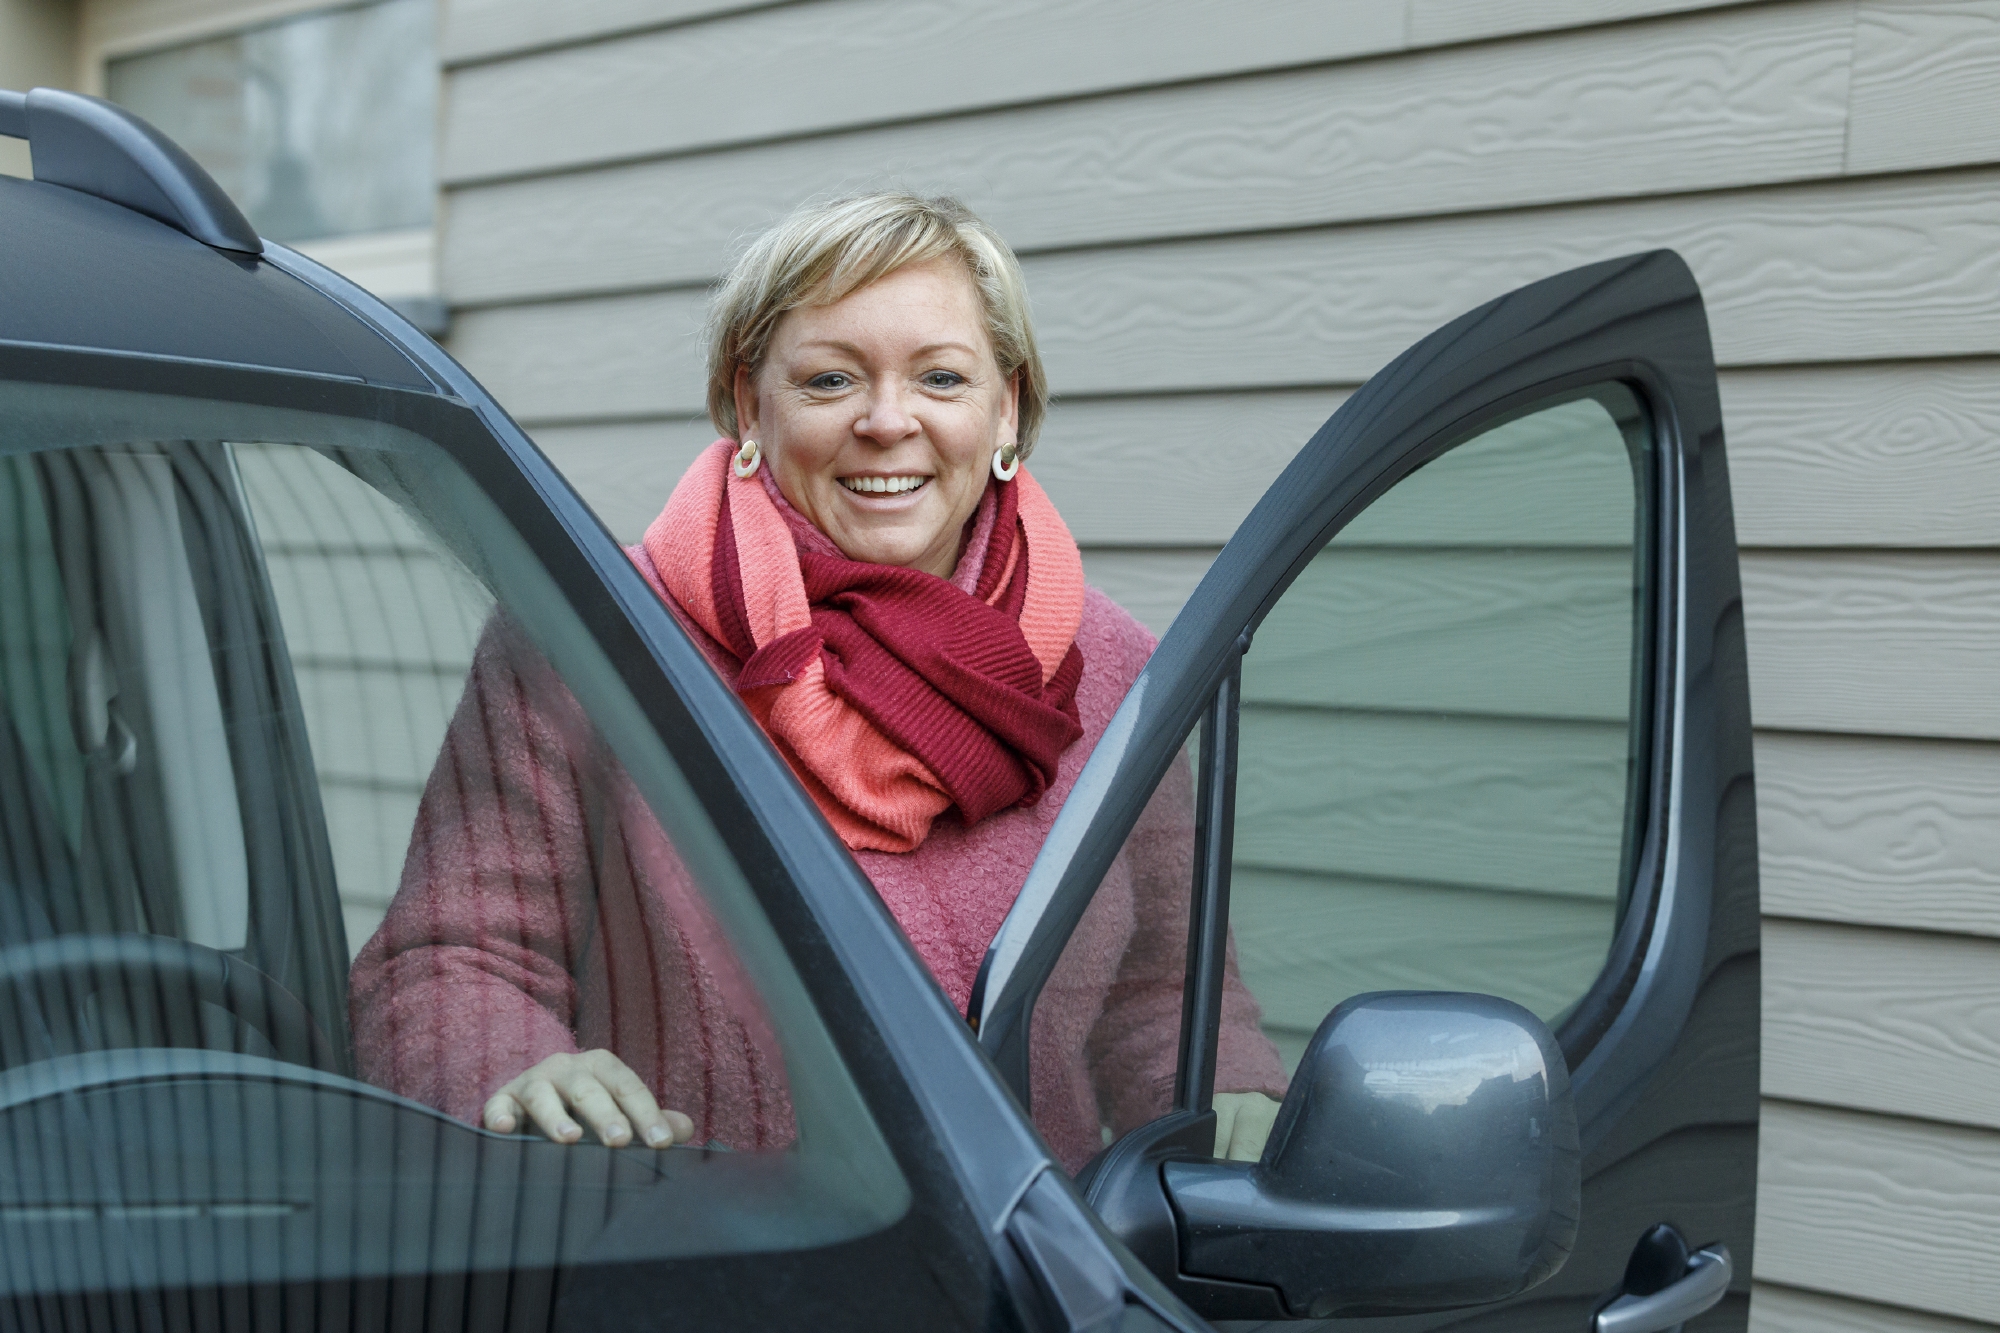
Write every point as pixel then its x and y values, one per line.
pixel 833 379
pixel 943 379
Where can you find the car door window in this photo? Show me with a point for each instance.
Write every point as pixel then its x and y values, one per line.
pixel 1105 1038
pixel 1443 729
pixel 286 693
pixel 1441 744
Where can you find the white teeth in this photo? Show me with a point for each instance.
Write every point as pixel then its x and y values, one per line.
pixel 883 485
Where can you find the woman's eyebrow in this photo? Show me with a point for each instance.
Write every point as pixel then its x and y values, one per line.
pixel 851 349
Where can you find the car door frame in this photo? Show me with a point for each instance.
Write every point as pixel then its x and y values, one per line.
pixel 1692 909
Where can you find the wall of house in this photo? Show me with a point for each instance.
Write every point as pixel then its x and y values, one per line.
pixel 398 265
pixel 37 50
pixel 1231 214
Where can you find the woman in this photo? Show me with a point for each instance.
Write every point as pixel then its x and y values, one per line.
pixel 904 613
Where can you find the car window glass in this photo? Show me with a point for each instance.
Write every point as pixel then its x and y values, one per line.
pixel 1107 1028
pixel 1442 734
pixel 1105 1034
pixel 285 693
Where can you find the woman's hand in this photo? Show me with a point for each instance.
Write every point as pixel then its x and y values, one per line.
pixel 1242 1122
pixel 596 1087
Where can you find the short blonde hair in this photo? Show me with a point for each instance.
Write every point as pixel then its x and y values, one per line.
pixel 824 251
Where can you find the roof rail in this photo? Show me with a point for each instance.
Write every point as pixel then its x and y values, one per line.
pixel 91 145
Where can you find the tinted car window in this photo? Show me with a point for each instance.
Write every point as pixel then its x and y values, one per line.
pixel 1444 729
pixel 285 690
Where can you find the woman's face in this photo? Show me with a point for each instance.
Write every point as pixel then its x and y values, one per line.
pixel 878 415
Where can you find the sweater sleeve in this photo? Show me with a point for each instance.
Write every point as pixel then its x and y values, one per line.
pixel 469 979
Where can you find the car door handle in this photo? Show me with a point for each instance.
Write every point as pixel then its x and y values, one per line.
pixel 1704 1283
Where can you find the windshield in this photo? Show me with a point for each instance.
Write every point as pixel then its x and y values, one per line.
pixel 324 819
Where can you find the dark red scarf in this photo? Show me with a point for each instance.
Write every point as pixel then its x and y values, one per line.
pixel 894 693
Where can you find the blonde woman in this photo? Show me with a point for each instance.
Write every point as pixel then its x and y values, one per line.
pixel 866 560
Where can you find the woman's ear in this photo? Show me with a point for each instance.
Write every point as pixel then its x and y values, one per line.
pixel 1010 410
pixel 746 403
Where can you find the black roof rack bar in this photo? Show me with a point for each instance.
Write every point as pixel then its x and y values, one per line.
pixel 102 149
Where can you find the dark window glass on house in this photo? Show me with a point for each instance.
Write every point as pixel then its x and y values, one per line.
pixel 318 126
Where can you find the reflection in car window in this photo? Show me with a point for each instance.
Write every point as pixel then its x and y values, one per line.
pixel 284 691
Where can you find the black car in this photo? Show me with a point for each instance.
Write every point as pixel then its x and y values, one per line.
pixel 254 528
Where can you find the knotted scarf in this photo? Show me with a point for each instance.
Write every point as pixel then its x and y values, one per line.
pixel 895 695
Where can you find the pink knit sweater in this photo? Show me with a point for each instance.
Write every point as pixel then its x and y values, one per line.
pixel 543 909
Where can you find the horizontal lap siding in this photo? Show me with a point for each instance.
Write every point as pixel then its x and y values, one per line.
pixel 1781 1309
pixel 1230 216
pixel 684 88
pixel 1880 831
pixel 1737 99
pixel 1882 1207
pixel 480 30
pixel 1904 643
pixel 1883 1020
pixel 1873 270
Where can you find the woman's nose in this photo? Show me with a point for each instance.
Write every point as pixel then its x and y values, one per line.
pixel 887 419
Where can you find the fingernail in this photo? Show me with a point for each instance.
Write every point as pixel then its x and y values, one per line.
pixel 658 1135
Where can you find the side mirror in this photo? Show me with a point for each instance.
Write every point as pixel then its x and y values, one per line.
pixel 1425 1157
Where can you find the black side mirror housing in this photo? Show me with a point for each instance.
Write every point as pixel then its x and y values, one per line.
pixel 1425 1158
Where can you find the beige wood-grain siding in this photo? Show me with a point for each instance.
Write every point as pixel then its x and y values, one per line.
pixel 1899 454
pixel 1883 1020
pixel 1710 101
pixel 1746 97
pixel 823 66
pixel 1234 216
pixel 1903 643
pixel 1888 268
pixel 1777 1309
pixel 1881 1208
pixel 486 29
pixel 1924 75
pixel 689 86
pixel 1880 831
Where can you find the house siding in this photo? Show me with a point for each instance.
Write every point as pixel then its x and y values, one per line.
pixel 1231 215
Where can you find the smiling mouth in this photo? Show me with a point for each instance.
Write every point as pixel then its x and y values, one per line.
pixel 883 485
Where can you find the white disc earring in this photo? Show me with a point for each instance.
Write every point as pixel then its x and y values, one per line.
pixel 747 458
pixel 1006 462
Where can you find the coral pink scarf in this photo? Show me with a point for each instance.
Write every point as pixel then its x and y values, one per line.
pixel 893 694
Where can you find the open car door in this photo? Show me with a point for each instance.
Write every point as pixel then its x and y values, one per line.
pixel 1462 715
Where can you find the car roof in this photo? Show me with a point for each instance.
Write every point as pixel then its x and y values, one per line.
pixel 81 266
